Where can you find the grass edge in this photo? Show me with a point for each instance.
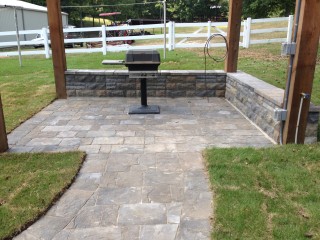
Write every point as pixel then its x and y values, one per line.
pixel 54 200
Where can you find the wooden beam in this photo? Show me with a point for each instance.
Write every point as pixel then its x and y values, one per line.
pixel 234 27
pixel 3 134
pixel 57 45
pixel 303 70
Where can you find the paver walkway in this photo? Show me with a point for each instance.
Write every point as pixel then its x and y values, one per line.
pixel 144 176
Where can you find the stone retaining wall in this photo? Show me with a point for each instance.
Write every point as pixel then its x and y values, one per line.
pixel 116 83
pixel 257 100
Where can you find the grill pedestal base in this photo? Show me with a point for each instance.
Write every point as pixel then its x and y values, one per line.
pixel 152 109
pixel 144 108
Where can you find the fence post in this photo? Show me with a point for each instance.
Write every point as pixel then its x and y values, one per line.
pixel 46 42
pixel 290 28
pixel 247 33
pixel 173 29
pixel 170 36
pixel 3 134
pixel 244 35
pixel 104 39
pixel 209 32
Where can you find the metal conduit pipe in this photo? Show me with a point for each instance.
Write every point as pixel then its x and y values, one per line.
pixel 303 96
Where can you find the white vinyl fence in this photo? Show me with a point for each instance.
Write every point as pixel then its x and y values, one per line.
pixel 103 42
pixel 248 33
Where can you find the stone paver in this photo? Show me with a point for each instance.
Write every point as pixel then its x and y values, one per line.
pixel 144 176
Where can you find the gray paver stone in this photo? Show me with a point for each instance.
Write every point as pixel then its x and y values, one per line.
pixel 152 178
pixel 118 195
pixel 159 232
pixel 144 174
pixel 130 232
pixel 142 214
pixel 174 212
pixel 98 233
pixel 41 230
pixel 70 203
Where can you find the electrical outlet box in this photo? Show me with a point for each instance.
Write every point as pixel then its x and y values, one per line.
pixel 288 49
pixel 280 114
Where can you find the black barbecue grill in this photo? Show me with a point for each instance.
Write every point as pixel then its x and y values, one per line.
pixel 142 64
pixel 142 60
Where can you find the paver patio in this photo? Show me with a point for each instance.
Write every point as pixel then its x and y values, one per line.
pixel 144 176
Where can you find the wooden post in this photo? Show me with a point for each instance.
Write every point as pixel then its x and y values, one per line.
pixel 234 27
pixel 57 45
pixel 303 70
pixel 3 134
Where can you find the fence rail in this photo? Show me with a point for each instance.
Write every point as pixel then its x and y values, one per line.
pixel 103 42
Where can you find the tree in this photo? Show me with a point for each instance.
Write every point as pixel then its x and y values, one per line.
pixel 177 10
pixel 267 8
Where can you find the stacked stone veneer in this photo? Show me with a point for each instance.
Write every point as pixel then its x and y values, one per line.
pixel 257 100
pixel 116 83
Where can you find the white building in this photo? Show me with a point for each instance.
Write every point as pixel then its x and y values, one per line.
pixel 29 16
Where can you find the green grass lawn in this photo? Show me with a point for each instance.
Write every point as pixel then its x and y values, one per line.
pixel 271 193
pixel 25 90
pixel 30 183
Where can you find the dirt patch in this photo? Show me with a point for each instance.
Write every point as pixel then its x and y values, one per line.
pixel 269 216
pixel 267 193
pixel 303 212
pixel 259 55
pixel 232 188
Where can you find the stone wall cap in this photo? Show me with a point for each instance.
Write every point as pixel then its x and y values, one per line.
pixel 191 72
pixel 121 72
pixel 89 72
pixel 262 88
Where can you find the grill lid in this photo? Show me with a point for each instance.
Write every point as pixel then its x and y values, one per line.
pixel 142 57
